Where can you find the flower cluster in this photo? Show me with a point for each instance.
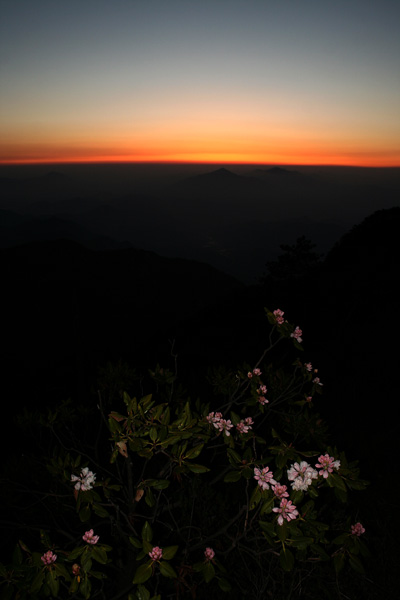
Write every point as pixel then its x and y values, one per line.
pixel 256 372
pixel 357 529
pixel 297 333
pixel 156 553
pixel 219 422
pixel 264 477
pixel 301 475
pixel 48 558
pixel 85 481
pixel 280 491
pixel 278 314
pixel 286 510
pixel 209 553
pixel 244 425
pixel 327 463
pixel 90 538
pixel 261 391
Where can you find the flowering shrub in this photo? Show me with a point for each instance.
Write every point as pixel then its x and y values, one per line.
pixel 192 494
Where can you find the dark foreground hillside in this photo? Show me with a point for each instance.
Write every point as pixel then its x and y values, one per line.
pixel 68 310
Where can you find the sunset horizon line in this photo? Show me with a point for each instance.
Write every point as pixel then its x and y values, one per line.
pixel 110 160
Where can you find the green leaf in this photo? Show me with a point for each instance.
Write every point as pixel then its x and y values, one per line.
pixel 338 561
pixel 100 511
pixel 167 570
pixel 99 554
pixel 286 559
pixel 85 588
pixel 149 498
pixel 195 468
pixel 37 583
pixel 161 484
pixel 232 476
pixel 142 593
pixel 153 434
pixel 143 573
pixel 233 457
pixel 194 452
pixel 85 513
pixel 135 542
pixel 282 531
pixel 75 553
pixel 147 532
pixel 356 564
pixel 224 584
pixel 301 542
pixel 208 572
pixel 267 506
pixel 169 552
pixel 52 582
pixel 147 546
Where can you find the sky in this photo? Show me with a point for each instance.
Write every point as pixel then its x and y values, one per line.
pixel 239 81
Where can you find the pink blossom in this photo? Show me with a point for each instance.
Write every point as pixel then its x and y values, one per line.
pixel 317 381
pixel 327 463
pixel 156 553
pixel 249 374
pixel 263 400
pixel 308 367
pixel 357 529
pixel 219 423
pixel 90 538
pixel 48 557
pixel 286 510
pixel 301 475
pixel 262 390
pixel 297 333
pixel 209 553
pixel 280 491
pixel 244 425
pixel 264 477
pixel 85 481
pixel 278 314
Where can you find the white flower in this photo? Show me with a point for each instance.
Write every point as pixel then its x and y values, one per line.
pixel 85 481
pixel 301 475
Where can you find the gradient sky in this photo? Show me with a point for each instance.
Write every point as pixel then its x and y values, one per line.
pixel 258 81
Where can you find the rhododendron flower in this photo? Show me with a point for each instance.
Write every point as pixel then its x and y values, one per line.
pixel 286 510
pixel 209 553
pixel 263 400
pixel 244 425
pixel 297 333
pixel 76 569
pixel 156 553
pixel 48 557
pixel 278 314
pixel 85 481
pixel 317 381
pixel 257 372
pixel 280 491
pixel 219 423
pixel 357 529
pixel 327 463
pixel 90 538
pixel 308 367
pixel 264 477
pixel 262 390
pixel 301 475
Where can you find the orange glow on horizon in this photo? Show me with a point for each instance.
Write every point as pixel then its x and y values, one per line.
pixel 311 160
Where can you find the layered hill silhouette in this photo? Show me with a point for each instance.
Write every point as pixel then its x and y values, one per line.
pixel 234 220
